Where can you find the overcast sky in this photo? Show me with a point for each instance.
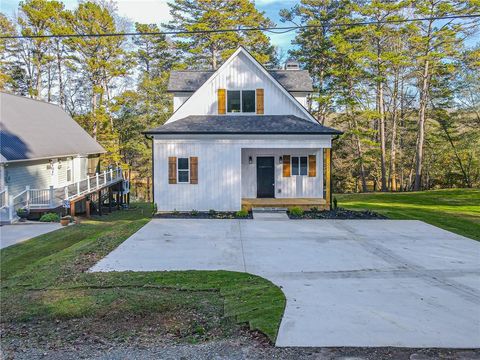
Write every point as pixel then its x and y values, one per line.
pixel 157 11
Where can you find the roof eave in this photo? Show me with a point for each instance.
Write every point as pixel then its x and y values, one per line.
pixel 5 161
pixel 152 132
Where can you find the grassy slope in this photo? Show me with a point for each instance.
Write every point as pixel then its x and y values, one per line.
pixel 456 210
pixel 45 279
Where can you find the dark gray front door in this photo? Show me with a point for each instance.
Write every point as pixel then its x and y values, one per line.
pixel 265 177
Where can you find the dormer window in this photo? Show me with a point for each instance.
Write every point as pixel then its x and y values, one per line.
pixel 240 101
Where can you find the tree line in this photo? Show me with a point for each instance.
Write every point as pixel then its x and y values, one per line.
pixel 406 95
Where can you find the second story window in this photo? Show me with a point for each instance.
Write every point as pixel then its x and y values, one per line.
pixel 240 101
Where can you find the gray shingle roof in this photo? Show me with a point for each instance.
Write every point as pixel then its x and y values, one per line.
pixel 190 81
pixel 243 124
pixel 293 80
pixel 32 129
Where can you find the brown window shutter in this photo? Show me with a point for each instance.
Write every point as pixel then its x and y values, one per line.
pixel 194 170
pixel 172 170
pixel 221 101
pixel 260 102
pixel 286 165
pixel 312 165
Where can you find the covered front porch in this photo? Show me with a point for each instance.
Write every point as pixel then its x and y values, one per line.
pixel 286 177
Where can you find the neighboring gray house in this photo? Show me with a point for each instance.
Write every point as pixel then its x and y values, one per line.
pixel 42 146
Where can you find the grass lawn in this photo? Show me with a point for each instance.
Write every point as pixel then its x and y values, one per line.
pixel 456 210
pixel 47 292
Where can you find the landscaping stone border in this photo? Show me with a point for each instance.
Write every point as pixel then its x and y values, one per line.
pixel 201 215
pixel 338 214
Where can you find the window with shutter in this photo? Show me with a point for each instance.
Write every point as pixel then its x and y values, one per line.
pixel 299 165
pixel 183 170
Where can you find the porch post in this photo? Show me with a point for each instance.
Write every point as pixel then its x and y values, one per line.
pixel 10 207
pixel 110 199
pixel 328 180
pixel 52 196
pixel 100 202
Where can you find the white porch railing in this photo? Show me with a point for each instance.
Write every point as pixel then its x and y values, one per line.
pixel 54 197
pixel 4 198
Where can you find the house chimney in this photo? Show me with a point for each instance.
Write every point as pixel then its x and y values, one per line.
pixel 292 64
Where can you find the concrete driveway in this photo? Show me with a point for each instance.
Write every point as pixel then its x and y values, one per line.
pixel 347 283
pixel 17 233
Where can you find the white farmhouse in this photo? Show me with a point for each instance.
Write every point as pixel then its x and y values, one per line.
pixel 241 136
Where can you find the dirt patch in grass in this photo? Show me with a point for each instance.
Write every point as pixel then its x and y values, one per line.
pixel 60 318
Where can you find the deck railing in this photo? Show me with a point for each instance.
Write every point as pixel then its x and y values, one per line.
pixel 4 198
pixel 54 197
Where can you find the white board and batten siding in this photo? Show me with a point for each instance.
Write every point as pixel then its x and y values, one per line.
pixel 180 97
pixel 220 186
pixel 239 74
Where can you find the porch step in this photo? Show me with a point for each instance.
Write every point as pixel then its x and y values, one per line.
pixel 270 214
pixel 269 209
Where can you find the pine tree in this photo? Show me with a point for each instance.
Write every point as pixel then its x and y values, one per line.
pixel 8 49
pixel 434 42
pixel 100 60
pixel 35 18
pixel 210 49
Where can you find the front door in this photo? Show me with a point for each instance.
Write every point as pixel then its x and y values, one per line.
pixel 265 177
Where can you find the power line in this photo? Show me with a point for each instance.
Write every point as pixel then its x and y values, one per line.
pixel 284 29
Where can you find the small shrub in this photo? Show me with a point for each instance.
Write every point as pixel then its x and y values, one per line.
pixel 296 211
pixel 22 213
pixel 154 209
pixel 194 212
pixel 314 210
pixel 176 212
pixel 50 217
pixel 241 213
pixel 212 212
pixel 335 203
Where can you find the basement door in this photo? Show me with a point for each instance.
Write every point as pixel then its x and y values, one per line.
pixel 265 177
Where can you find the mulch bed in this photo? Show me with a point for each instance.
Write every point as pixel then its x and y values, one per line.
pixel 339 214
pixel 201 215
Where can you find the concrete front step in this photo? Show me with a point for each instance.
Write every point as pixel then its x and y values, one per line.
pixel 270 214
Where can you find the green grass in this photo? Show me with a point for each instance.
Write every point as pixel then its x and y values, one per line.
pixel 44 280
pixel 456 210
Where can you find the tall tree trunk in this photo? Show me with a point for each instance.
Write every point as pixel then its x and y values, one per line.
pixel 49 83
pixel 38 89
pixel 60 78
pixel 94 108
pixel 421 126
pixel 321 109
pixel 214 57
pixel 381 112
pixel 358 144
pixel 393 143
pixel 359 149
pixel 466 178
